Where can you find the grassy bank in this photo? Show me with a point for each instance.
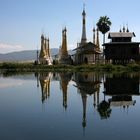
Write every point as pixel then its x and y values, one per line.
pixel 30 67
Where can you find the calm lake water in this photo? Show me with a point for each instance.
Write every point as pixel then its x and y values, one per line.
pixel 69 106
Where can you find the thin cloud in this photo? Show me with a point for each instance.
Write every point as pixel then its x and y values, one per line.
pixel 6 48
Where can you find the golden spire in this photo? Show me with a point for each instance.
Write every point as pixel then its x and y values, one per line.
pixel 97 40
pixel 64 51
pixel 42 51
pixel 46 47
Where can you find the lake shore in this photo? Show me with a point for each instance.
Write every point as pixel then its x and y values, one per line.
pixel 30 67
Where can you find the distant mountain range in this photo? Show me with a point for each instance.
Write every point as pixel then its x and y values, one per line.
pixel 27 55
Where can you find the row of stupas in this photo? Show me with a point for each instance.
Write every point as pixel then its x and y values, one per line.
pixel 44 56
pixel 86 52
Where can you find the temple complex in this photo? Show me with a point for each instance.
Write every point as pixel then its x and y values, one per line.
pixel 120 50
pixel 44 56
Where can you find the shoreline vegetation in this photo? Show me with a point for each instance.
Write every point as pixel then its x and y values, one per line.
pixel 31 67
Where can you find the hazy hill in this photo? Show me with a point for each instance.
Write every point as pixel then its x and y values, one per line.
pixel 27 55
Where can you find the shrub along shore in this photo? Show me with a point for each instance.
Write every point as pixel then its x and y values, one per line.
pixel 30 67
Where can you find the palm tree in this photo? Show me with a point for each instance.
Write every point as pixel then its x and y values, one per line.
pixel 103 25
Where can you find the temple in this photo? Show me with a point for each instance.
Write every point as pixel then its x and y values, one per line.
pixel 121 49
pixel 44 56
pixel 87 52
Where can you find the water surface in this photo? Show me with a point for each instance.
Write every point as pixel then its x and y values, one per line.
pixel 69 106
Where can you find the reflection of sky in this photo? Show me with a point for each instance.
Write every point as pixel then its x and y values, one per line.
pixel 22 114
pixel 15 81
pixel 10 83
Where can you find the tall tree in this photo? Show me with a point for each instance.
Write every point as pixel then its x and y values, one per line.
pixel 103 25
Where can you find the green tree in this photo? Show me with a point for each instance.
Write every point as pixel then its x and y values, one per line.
pixel 103 25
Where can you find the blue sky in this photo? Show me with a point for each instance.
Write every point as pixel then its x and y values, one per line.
pixel 23 21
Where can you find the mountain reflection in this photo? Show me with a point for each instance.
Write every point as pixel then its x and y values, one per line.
pixel 106 90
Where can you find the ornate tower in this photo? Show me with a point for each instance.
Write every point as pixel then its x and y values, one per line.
pixel 49 48
pixel 46 43
pixel 97 41
pixel 64 51
pixel 94 35
pixel 64 58
pixel 83 38
pixel 44 56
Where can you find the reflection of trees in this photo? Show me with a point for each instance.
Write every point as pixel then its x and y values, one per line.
pixel 104 109
pixel 121 88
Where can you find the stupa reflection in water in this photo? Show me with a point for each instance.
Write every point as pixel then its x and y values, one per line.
pixel 87 84
pixel 45 79
pixel 118 90
pixel 64 81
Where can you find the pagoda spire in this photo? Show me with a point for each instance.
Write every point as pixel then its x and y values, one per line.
pixel 97 40
pixel 64 51
pixel 46 47
pixel 42 55
pixel 64 57
pixel 49 47
pixel 94 35
pixel 83 38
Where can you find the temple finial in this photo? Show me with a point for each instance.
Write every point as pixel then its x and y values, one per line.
pixel 127 30
pixel 83 38
pixel 120 29
pixel 84 5
pixel 123 28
